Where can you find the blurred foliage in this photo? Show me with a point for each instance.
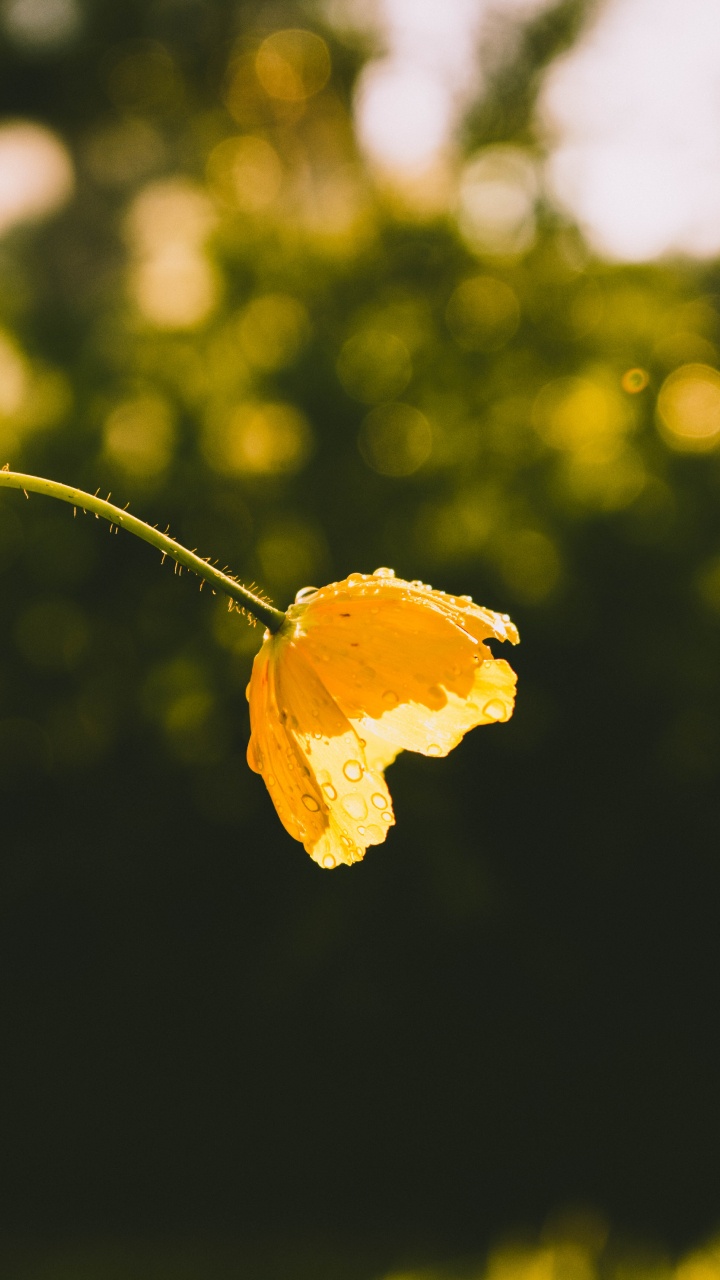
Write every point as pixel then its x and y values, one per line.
pixel 575 1245
pixel 303 373
pixel 230 327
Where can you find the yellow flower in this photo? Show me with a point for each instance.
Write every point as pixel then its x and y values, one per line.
pixel 359 671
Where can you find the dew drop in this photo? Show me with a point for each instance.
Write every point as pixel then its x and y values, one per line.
pixel 494 709
pixel 373 833
pixel 353 770
pixel 271 780
pixel 437 697
pixel 361 831
pixel 390 698
pixel 317 735
pixel 354 578
pixel 355 806
pixel 384 573
pixel 434 749
pixel 346 841
pixel 330 791
pixel 305 593
pixel 328 861
pixel 379 801
pixel 466 599
pixel 386 816
pixel 310 803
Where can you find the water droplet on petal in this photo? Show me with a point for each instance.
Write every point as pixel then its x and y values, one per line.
pixel 379 801
pixel 318 736
pixel 434 749
pixel 355 806
pixel 330 791
pixel 354 578
pixel 373 833
pixel 384 573
pixel 437 697
pixel 328 861
pixel 466 599
pixel 271 780
pixel 386 816
pixel 310 803
pixel 353 770
pixel 361 831
pixel 494 709
pixel 305 593
pixel 390 698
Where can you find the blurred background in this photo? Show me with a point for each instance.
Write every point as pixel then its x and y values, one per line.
pixel 325 286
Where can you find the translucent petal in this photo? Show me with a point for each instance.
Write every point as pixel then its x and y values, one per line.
pixel 380 643
pixel 352 794
pixel 402 653
pixel 361 670
pixel 313 762
pixel 414 727
pixel 481 623
pixel 379 753
pixel 272 753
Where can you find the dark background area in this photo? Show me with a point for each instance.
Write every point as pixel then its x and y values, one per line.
pixel 509 1010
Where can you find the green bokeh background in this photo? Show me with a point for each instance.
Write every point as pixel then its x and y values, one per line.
pixel 216 1059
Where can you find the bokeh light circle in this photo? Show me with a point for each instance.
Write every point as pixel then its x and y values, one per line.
pixel 293 65
pixel 688 408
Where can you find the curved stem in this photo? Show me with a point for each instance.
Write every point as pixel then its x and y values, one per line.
pixel 253 604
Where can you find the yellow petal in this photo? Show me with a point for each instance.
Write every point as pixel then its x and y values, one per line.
pixel 361 670
pixel 413 727
pixel 401 652
pixel 382 586
pixel 355 801
pixel 313 761
pixel 272 753
pixel 381 644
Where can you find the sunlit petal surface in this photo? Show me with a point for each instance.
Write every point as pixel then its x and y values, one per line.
pixel 361 670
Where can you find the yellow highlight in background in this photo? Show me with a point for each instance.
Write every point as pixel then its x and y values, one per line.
pixel 293 65
pixel 483 314
pixel 688 408
pixel 634 380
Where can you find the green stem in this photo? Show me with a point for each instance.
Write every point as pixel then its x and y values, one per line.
pixel 253 604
